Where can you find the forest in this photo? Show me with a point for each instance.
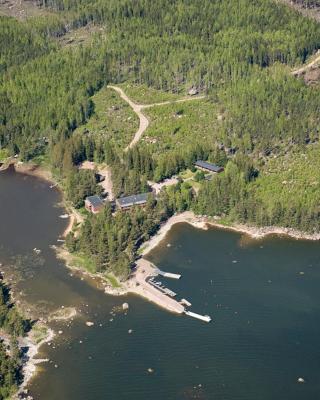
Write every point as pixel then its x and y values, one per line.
pixel 239 54
pixel 13 326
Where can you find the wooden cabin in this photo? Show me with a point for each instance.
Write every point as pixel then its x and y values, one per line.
pixel 93 204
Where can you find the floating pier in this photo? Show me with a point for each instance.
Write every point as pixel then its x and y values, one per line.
pixel 204 318
pixel 162 289
pixel 185 302
pixel 166 274
pixel 169 275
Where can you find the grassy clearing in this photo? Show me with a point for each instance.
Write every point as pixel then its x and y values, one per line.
pixel 83 35
pixel 142 94
pixel 175 125
pixel 293 177
pixel 3 154
pixel 113 119
pixel 187 174
pixel 39 333
pixel 112 280
pixel 79 260
pixel 22 9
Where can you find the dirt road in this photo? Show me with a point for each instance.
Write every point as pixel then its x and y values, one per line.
pixel 308 66
pixel 137 108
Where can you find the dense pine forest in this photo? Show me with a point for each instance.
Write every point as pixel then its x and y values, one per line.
pixel 258 117
pixel 12 325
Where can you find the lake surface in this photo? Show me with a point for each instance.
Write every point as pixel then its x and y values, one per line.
pixel 263 296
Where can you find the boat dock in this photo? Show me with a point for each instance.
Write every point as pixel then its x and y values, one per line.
pixel 185 302
pixel 169 274
pixel 204 318
pixel 162 288
pixel 165 274
pixel 148 286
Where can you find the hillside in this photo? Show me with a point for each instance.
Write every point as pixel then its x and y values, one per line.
pixel 255 117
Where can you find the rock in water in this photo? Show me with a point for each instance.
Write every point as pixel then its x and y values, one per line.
pixel 89 323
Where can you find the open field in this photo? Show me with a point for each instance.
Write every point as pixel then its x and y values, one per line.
pixel 311 12
pixel 141 94
pixel 21 9
pixel 293 177
pixel 180 124
pixel 113 119
pixel 83 35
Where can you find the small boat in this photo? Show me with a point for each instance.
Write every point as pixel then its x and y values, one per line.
pixel 64 216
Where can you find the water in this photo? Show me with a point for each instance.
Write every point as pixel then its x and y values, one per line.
pixel 263 337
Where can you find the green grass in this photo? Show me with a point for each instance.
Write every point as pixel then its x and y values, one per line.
pixel 187 174
pixel 113 119
pixel 83 35
pixel 79 260
pixel 4 153
pixel 294 177
pixel 143 94
pixel 42 160
pixel 112 280
pixel 39 333
pixel 177 125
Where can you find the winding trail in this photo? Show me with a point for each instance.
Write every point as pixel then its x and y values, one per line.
pixel 137 108
pixel 308 66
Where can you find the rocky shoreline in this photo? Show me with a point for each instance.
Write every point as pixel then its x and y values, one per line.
pixel 203 222
pixel 30 363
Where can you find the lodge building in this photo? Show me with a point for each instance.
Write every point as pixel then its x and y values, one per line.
pixel 208 167
pixel 93 204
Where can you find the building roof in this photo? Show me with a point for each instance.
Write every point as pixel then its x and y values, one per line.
pixel 133 200
pixel 95 201
pixel 208 166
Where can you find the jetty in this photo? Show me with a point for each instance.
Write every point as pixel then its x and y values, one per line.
pixel 204 318
pixel 165 274
pixel 144 282
pixel 169 274
pixel 162 288
pixel 185 302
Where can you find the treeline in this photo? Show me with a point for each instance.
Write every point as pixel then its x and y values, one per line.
pixel 13 326
pixel 239 195
pixel 270 109
pixel 308 3
pixel 46 90
pixel 10 319
pixel 19 43
pixel 48 98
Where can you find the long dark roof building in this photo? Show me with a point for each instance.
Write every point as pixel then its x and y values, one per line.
pixel 208 166
pixel 135 200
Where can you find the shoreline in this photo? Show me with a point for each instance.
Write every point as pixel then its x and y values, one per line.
pixel 45 174
pixel 198 221
pixel 204 223
pixel 137 284
pixel 29 367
